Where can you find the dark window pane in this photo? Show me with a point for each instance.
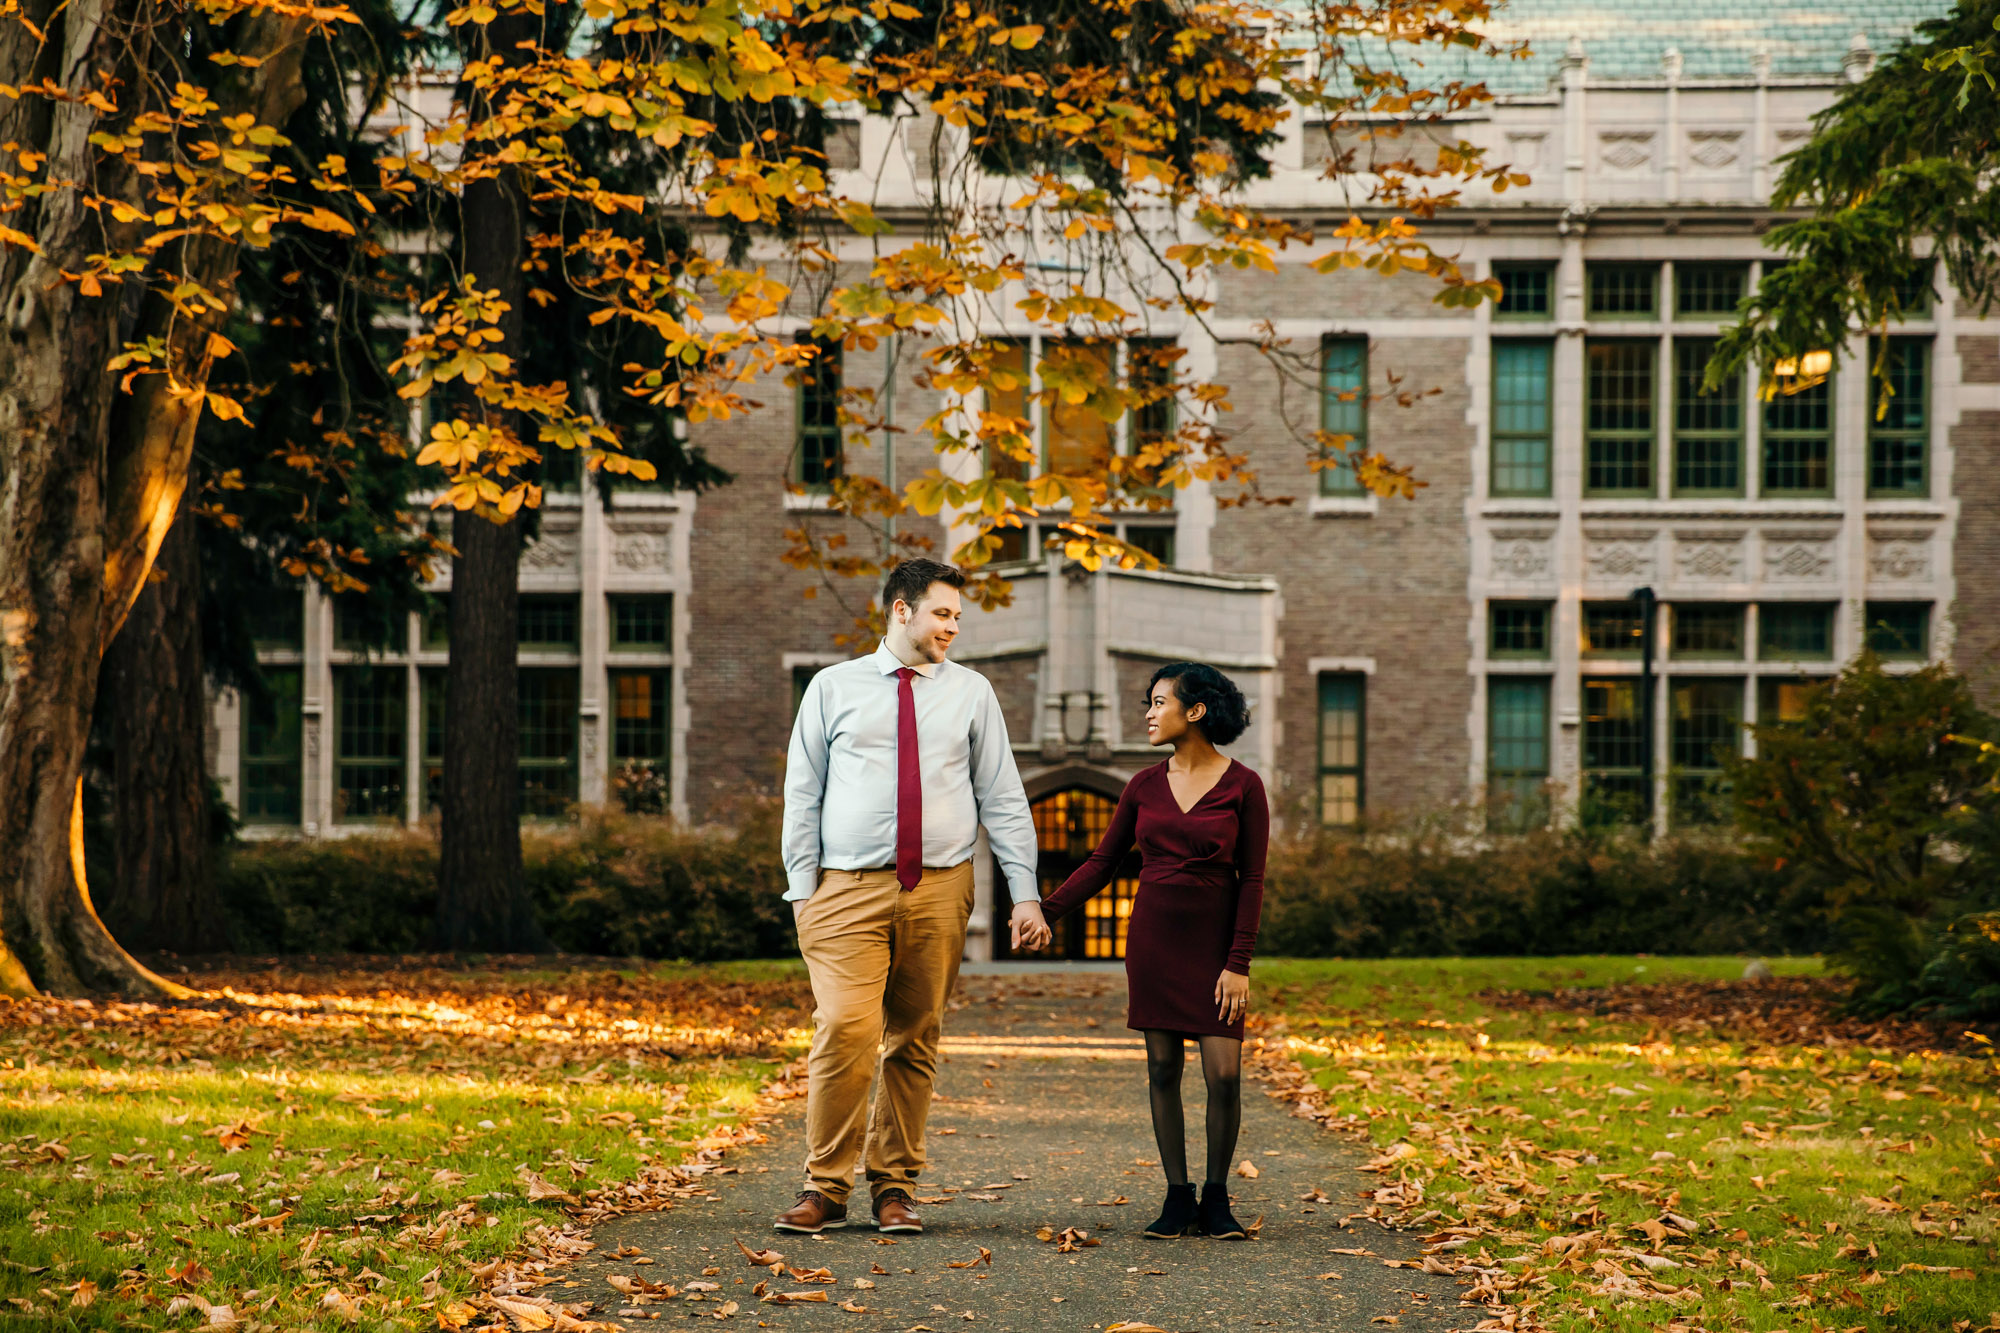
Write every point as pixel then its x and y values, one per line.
pixel 547 621
pixel 1899 437
pixel 1710 631
pixel 1792 631
pixel 1704 725
pixel 277 618
pixel 1899 629
pixel 1156 540
pixel 1517 751
pixel 1708 289
pixel 1611 629
pixel 548 740
pixel 1344 409
pixel 1525 290
pixel 368 713
pixel 1342 747
pixel 1798 442
pixel 1623 290
pixel 819 417
pixel 1520 629
pixel 430 685
pixel 270 750
pixel 642 622
pixel 1613 752
pixel 640 739
pixel 1782 699
pixel 1619 419
pixel 1708 424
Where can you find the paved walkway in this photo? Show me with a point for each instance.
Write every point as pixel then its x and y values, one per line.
pixel 1041 1122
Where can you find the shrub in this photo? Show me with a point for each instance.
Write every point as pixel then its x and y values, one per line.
pixel 1878 800
pixel 1425 890
pixel 607 884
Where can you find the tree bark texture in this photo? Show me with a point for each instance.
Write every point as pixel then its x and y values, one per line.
pixel 482 894
pixel 83 507
pixel 162 895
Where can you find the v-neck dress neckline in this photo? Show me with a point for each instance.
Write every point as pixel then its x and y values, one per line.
pixel 1166 776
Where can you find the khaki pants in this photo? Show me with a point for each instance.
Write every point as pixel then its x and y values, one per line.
pixel 883 963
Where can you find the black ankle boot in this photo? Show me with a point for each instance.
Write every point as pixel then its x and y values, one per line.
pixel 1177 1215
pixel 1216 1219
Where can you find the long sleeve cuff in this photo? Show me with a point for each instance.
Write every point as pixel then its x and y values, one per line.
pixel 1021 887
pixel 801 884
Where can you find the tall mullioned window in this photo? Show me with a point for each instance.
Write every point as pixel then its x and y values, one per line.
pixel 1707 630
pixel 1619 416
pixel 1798 442
pixel 640 738
pixel 1343 409
pixel 548 697
pixel 1517 751
pixel 1521 418
pixel 642 622
pixel 1705 726
pixel 368 713
pixel 1076 437
pixel 818 451
pixel 1794 631
pixel 1613 751
pixel 1342 746
pixel 547 622
pixel 1708 424
pixel 1623 291
pixel 1899 437
pixel 269 762
pixel 1709 290
pixel 1527 291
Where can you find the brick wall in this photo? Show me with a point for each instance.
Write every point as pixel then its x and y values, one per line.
pixel 1017 682
pixel 1979 358
pixel 1297 292
pixel 1976 552
pixel 747 608
pixel 1390 586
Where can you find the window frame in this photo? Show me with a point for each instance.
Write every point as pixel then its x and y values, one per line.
pixel 1766 618
pixel 1592 437
pixel 1771 435
pixel 1544 438
pixel 1682 271
pixel 1728 442
pixel 1591 273
pixel 1597 780
pixel 1333 403
pixel 1882 436
pixel 1871 630
pixel 818 447
pixel 619 602
pixel 1494 610
pixel 1544 269
pixel 394 727
pixel 1358 768
pixel 287 706
pixel 572 602
pixel 1531 811
pixel 1693 788
pixel 1585 647
pixel 567 764
pixel 1690 612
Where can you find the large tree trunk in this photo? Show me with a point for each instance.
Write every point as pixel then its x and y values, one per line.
pixel 162 896
pixel 85 503
pixel 482 895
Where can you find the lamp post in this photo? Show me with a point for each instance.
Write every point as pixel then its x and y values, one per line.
pixel 1648 608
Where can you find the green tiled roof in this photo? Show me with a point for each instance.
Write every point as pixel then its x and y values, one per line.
pixel 1716 38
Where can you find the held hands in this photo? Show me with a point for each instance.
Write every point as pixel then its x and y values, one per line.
pixel 1027 928
pixel 1232 996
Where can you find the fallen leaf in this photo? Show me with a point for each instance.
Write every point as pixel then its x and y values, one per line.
pixel 985 1257
pixel 760 1258
pixel 794 1297
pixel 1247 1169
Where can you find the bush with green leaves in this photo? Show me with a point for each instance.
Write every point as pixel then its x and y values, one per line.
pixel 1881 801
pixel 1423 889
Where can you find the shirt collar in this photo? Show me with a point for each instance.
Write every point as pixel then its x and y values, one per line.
pixel 889 665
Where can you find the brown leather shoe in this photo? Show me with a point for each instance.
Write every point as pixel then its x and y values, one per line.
pixel 894 1213
pixel 813 1214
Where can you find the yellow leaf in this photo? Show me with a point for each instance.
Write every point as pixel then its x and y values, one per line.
pixel 20 238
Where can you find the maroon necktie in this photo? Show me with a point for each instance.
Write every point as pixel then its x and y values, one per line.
pixel 909 786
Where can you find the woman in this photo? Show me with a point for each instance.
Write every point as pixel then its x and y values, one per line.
pixel 1201 824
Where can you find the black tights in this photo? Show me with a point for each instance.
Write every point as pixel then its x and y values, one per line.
pixel 1222 1068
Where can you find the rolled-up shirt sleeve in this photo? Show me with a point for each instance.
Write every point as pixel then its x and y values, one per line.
pixel 1003 804
pixel 805 792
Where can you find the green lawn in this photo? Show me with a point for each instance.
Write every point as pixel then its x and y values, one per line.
pixel 316 1149
pixel 1617 1176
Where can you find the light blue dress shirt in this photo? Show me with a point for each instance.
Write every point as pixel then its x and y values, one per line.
pixel 840 777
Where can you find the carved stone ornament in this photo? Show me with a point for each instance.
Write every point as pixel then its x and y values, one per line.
pixel 551 550
pixel 1710 559
pixel 643 552
pixel 1521 555
pixel 1797 557
pixel 312 736
pixel 1714 149
pixel 1524 149
pixel 1899 558
pixel 1625 150
pixel 1610 556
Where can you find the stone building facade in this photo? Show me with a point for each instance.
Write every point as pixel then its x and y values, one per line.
pixel 1480 642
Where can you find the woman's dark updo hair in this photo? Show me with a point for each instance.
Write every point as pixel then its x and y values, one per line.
pixel 1196 683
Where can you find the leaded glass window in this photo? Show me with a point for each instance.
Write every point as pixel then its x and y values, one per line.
pixel 1517 751
pixel 819 450
pixel 1708 289
pixel 1519 630
pixel 1705 725
pixel 1708 425
pixel 1798 442
pixel 547 622
pixel 1612 629
pixel 1343 410
pixel 548 698
pixel 1624 291
pixel 1521 418
pixel 1342 747
pixel 1613 752
pixel 1713 631
pixel 1794 631
pixel 270 752
pixel 643 622
pixel 369 705
pixel 1619 418
pixel 1527 291
pixel 1899 629
pixel 1899 432
pixel 640 738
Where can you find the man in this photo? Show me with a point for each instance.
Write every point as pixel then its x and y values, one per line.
pixel 896 760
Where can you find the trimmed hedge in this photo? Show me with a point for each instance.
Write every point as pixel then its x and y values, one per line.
pixel 1425 892
pixel 607 884
pixel 628 886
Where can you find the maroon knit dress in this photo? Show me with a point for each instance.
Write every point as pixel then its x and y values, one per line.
pixel 1201 889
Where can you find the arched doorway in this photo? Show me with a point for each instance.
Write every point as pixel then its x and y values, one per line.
pixel 1068 825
